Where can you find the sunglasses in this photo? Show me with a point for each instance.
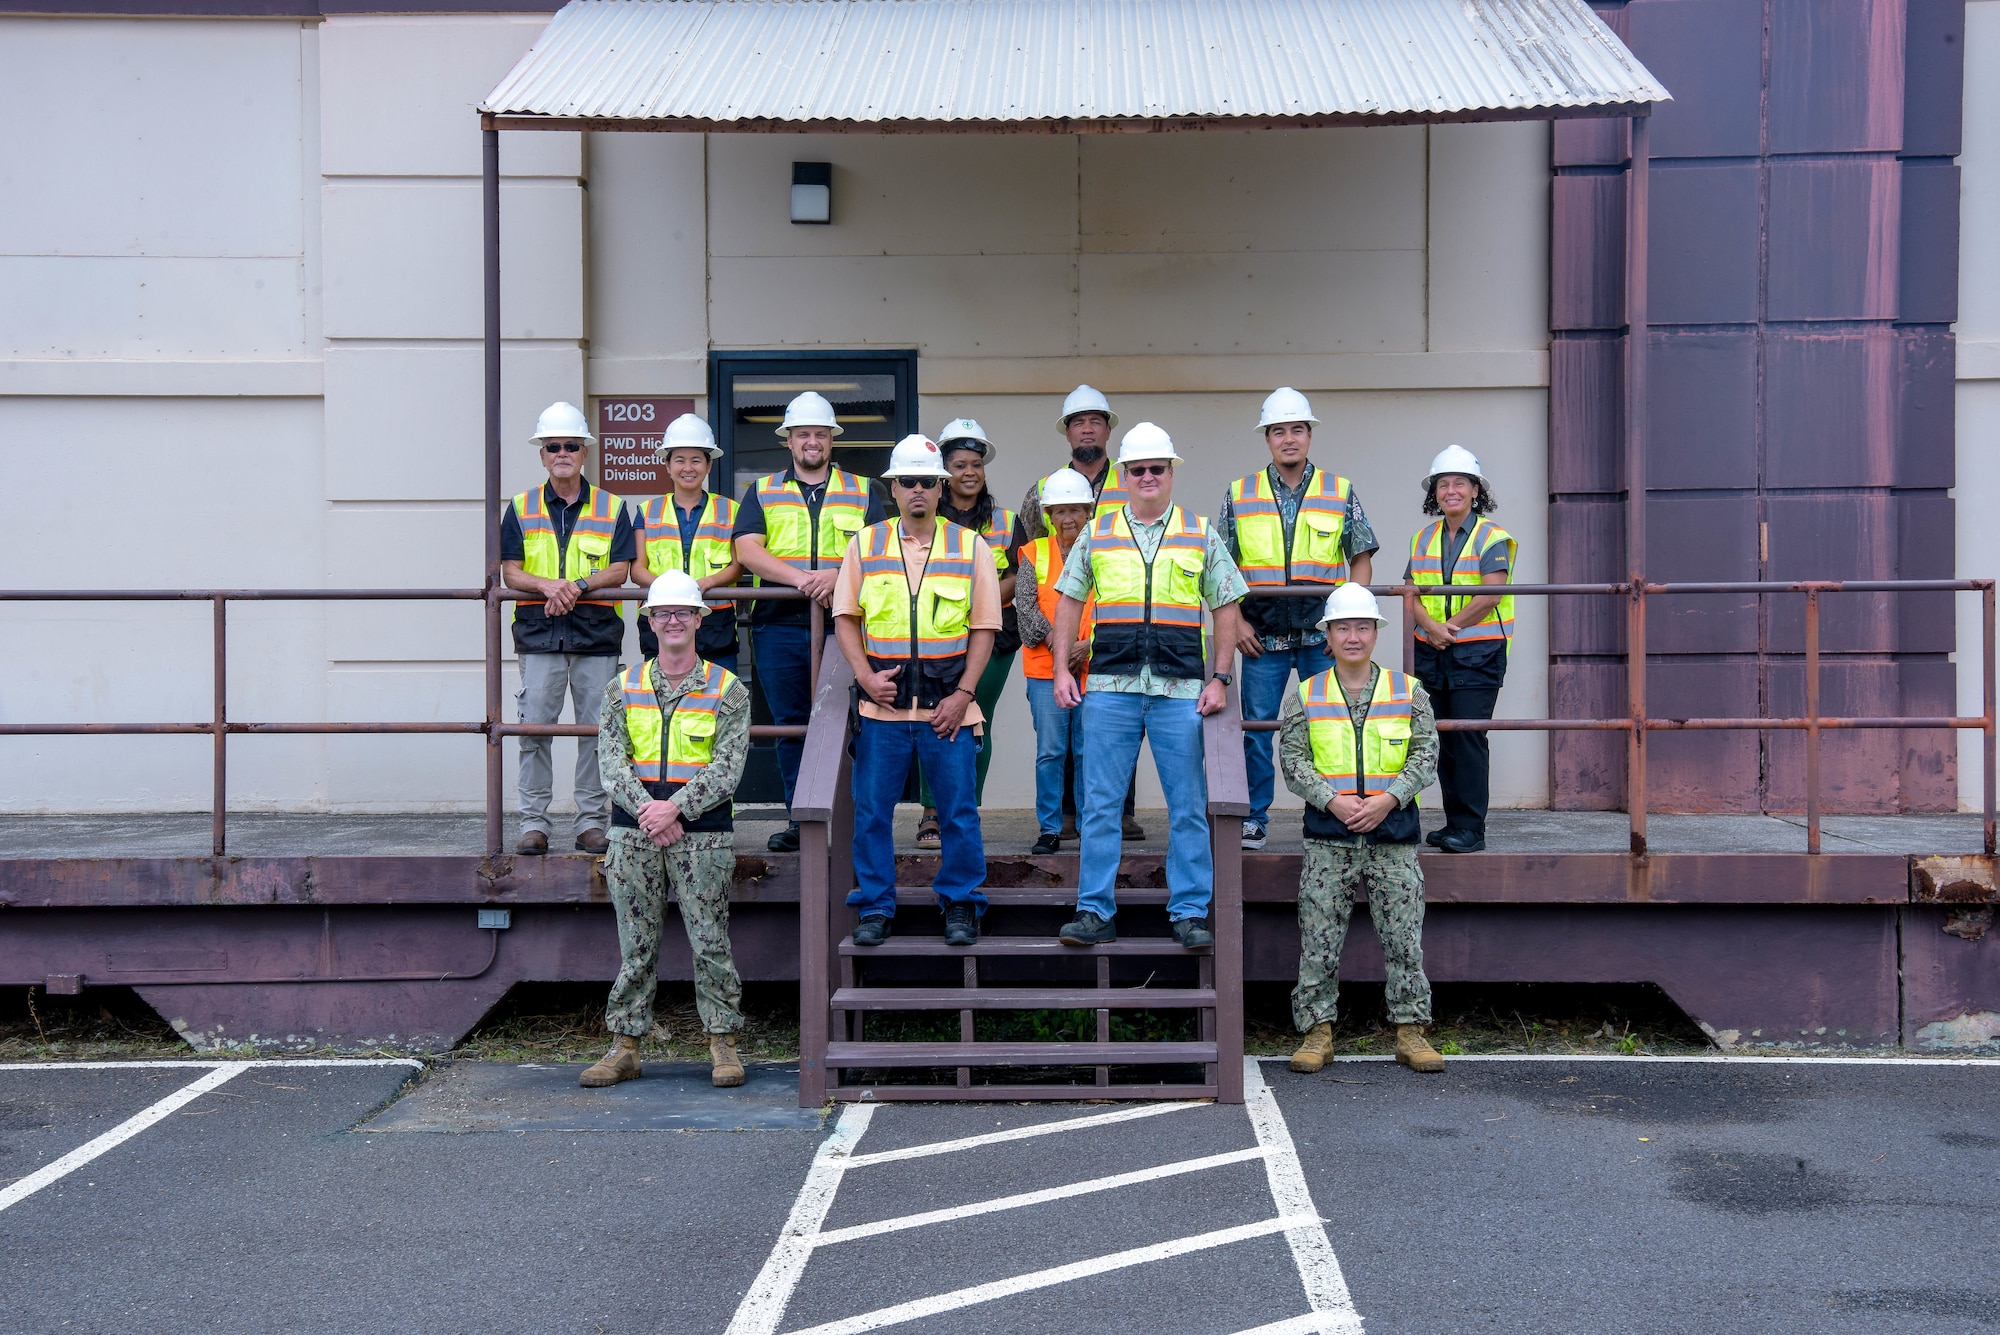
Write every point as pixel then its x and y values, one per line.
pixel 564 447
pixel 673 616
pixel 919 483
pixel 1149 470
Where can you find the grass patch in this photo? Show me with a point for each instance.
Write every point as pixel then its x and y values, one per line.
pixel 103 1024
pixel 1492 1018
pixel 564 1022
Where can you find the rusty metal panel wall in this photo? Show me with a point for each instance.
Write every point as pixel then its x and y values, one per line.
pixel 1799 417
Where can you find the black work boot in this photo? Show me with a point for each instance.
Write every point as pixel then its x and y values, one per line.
pixel 1087 929
pixel 785 840
pixel 1193 933
pixel 872 930
pixel 1046 845
pixel 961 924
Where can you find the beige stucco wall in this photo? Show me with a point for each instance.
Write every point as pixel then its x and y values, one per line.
pixel 244 324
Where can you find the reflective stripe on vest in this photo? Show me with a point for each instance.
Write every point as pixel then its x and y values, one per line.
pixel 1427 567
pixel 1385 732
pixel 589 541
pixel 1038 660
pixel 999 531
pixel 690 742
pixel 1110 494
pixel 710 551
pixel 942 601
pixel 789 533
pixel 1119 571
pixel 1316 553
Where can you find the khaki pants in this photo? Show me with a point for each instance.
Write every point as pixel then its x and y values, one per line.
pixel 544 680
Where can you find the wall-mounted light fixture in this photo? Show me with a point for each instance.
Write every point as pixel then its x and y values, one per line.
pixel 812 192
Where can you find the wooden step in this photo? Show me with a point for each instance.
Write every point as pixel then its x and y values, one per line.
pixel 1015 1093
pixel 841 1055
pixel 1055 896
pixel 1044 947
pixel 1020 998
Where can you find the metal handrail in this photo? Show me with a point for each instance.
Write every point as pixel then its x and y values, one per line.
pixel 1636 725
pixel 491 727
pixel 1639 723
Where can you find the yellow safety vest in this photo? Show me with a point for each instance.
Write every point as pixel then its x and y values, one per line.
pixel 1385 734
pixel 999 531
pixel 1111 494
pixel 938 612
pixel 1427 567
pixel 1148 613
pixel 710 551
pixel 689 734
pixel 789 533
pixel 1315 555
pixel 589 541
pixel 1039 660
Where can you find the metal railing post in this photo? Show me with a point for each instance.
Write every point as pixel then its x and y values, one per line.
pixel 1636 197
pixel 1986 610
pixel 495 748
pixel 1812 720
pixel 219 801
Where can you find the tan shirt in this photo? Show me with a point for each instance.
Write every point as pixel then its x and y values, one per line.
pixel 916 555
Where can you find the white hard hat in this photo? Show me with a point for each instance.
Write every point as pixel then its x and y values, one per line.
pixel 964 428
pixel 673 589
pixel 1066 486
pixel 1286 405
pixel 1454 459
pixel 809 409
pixel 561 421
pixel 1351 602
pixel 688 432
pixel 1146 441
pixel 915 456
pixel 1084 399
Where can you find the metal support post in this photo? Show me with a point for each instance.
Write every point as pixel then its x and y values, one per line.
pixel 219 817
pixel 1812 720
pixel 1635 476
pixel 1986 610
pixel 490 201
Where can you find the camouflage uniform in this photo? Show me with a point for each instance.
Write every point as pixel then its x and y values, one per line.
pixel 1336 868
pixel 697 868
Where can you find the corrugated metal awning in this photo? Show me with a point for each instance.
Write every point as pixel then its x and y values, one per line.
pixel 1065 66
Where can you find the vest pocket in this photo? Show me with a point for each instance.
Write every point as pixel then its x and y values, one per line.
pixel 951 607
pixel 594 549
pixel 1184 570
pixel 1321 532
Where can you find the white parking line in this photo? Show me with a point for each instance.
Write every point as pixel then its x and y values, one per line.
pixel 762 1310
pixel 194 1062
pixel 1711 1058
pixel 1020 1133
pixel 1062 1274
pixel 119 1134
pixel 763 1306
pixel 999 1203
pixel 1312 1250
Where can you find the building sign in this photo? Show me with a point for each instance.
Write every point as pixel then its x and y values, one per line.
pixel 628 438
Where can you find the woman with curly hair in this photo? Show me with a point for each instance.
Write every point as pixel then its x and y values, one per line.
pixel 1462 637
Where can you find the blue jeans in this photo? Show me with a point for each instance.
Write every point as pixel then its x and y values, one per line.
pixel 1264 682
pixel 883 754
pixel 784 675
pixel 1058 736
pixel 1114 721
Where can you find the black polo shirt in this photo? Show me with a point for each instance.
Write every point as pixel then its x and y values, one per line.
pixel 585 630
pixel 750 519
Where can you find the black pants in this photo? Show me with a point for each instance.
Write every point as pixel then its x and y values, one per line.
pixel 1464 682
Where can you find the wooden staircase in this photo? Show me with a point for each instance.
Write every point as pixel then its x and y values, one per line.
pixel 855 1001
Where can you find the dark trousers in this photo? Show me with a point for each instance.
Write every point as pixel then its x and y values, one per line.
pixel 784 675
pixel 1464 682
pixel 884 755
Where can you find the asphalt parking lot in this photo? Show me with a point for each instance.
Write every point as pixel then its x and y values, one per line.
pixel 1743 1194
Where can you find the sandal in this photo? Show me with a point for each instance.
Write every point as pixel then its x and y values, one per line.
pixel 928 834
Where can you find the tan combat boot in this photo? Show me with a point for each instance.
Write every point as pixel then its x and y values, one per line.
pixel 621 1063
pixel 1317 1050
pixel 1414 1052
pixel 728 1066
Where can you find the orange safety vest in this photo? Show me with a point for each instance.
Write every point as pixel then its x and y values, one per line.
pixel 1038 660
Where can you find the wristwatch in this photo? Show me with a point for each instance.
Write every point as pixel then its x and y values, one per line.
pixel 1225 678
pixel 582 585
